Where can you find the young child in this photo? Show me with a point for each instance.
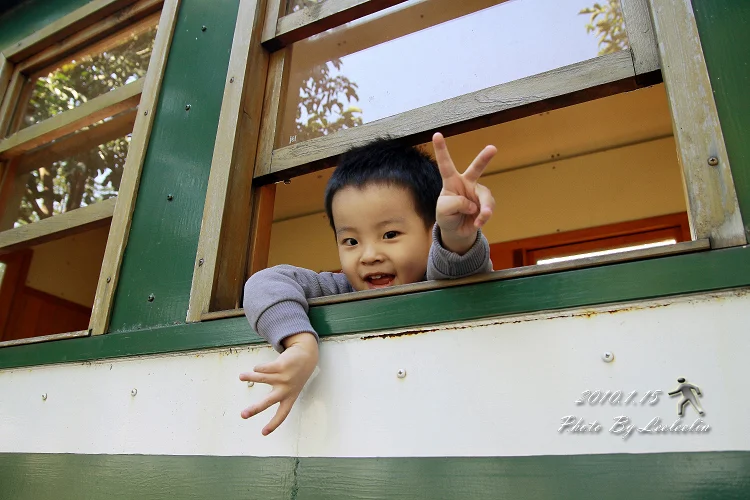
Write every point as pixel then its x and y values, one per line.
pixel 397 219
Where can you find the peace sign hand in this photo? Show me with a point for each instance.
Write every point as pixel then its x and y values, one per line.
pixel 463 206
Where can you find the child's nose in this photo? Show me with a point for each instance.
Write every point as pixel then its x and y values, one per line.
pixel 371 254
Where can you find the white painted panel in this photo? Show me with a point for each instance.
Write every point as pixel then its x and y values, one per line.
pixel 483 389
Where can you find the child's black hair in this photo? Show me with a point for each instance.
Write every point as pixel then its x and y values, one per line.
pixel 385 161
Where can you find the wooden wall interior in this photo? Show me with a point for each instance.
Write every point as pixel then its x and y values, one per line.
pixel 49 288
pixel 593 165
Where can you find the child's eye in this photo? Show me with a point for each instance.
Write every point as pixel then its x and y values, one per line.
pixel 348 242
pixel 390 235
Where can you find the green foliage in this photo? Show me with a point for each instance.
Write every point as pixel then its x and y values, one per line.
pixel 325 100
pixel 92 174
pixel 608 23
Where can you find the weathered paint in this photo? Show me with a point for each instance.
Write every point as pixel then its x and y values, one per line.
pixel 163 237
pixel 31 16
pixel 725 37
pixel 498 388
pixel 679 476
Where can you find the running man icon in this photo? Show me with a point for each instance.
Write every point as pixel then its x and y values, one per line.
pixel 688 396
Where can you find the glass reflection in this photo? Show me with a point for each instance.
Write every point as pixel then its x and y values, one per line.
pixel 421 52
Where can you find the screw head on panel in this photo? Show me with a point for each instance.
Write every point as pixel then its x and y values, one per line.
pixel 151 297
pixel 203 28
pixel 109 280
pixel 608 357
pixel 187 107
pixel 713 161
pixel 250 384
pixel 134 392
pixel 170 197
pixel 401 373
pixel 44 397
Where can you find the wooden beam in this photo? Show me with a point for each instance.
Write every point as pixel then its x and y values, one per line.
pixel 222 246
pixel 10 101
pixel 119 126
pixel 712 201
pixel 10 193
pixel 77 20
pixel 271 121
pixel 45 338
pixel 260 229
pixel 64 123
pixel 557 88
pixel 640 36
pixel 321 17
pixel 118 233
pixel 57 226
pixel 6 71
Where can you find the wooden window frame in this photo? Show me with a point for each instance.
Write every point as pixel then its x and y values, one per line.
pixel 220 266
pixel 92 25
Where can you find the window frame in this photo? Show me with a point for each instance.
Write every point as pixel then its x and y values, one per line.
pixel 218 279
pixel 87 26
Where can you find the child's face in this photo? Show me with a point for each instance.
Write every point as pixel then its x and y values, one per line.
pixel 382 241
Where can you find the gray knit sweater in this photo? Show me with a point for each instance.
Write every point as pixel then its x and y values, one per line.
pixel 276 298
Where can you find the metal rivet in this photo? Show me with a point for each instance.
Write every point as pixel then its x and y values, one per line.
pixel 145 113
pixel 713 161
pixel 134 392
pixel 151 297
pixel 170 197
pixel 187 107
pixel 44 397
pixel 250 384
pixel 109 279
pixel 231 80
pixel 608 356
pixel 401 373
pixel 203 28
pixel 200 262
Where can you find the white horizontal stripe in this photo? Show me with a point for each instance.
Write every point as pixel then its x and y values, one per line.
pixel 485 389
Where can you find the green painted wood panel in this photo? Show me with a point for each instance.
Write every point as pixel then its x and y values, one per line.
pixel 31 16
pixel 164 234
pixel 651 278
pixel 683 476
pixel 143 477
pixel 724 28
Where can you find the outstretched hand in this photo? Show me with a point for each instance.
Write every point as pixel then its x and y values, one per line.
pixel 464 206
pixel 286 375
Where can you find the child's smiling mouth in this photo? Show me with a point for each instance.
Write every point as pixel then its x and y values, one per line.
pixel 379 280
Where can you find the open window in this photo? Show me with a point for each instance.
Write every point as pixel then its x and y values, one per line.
pixel 605 153
pixel 73 124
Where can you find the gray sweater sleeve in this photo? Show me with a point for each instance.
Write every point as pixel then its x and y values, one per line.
pixel 444 264
pixel 275 299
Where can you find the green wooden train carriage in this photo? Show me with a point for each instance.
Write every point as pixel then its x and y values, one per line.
pixel 155 154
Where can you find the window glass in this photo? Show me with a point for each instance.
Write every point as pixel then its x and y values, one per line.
pixel 73 172
pixel 116 62
pixel 421 52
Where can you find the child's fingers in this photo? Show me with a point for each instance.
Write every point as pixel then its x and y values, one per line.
pixel 486 204
pixel 443 158
pixel 284 408
pixel 263 378
pixel 475 170
pixel 272 367
pixel 262 405
pixel 449 205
